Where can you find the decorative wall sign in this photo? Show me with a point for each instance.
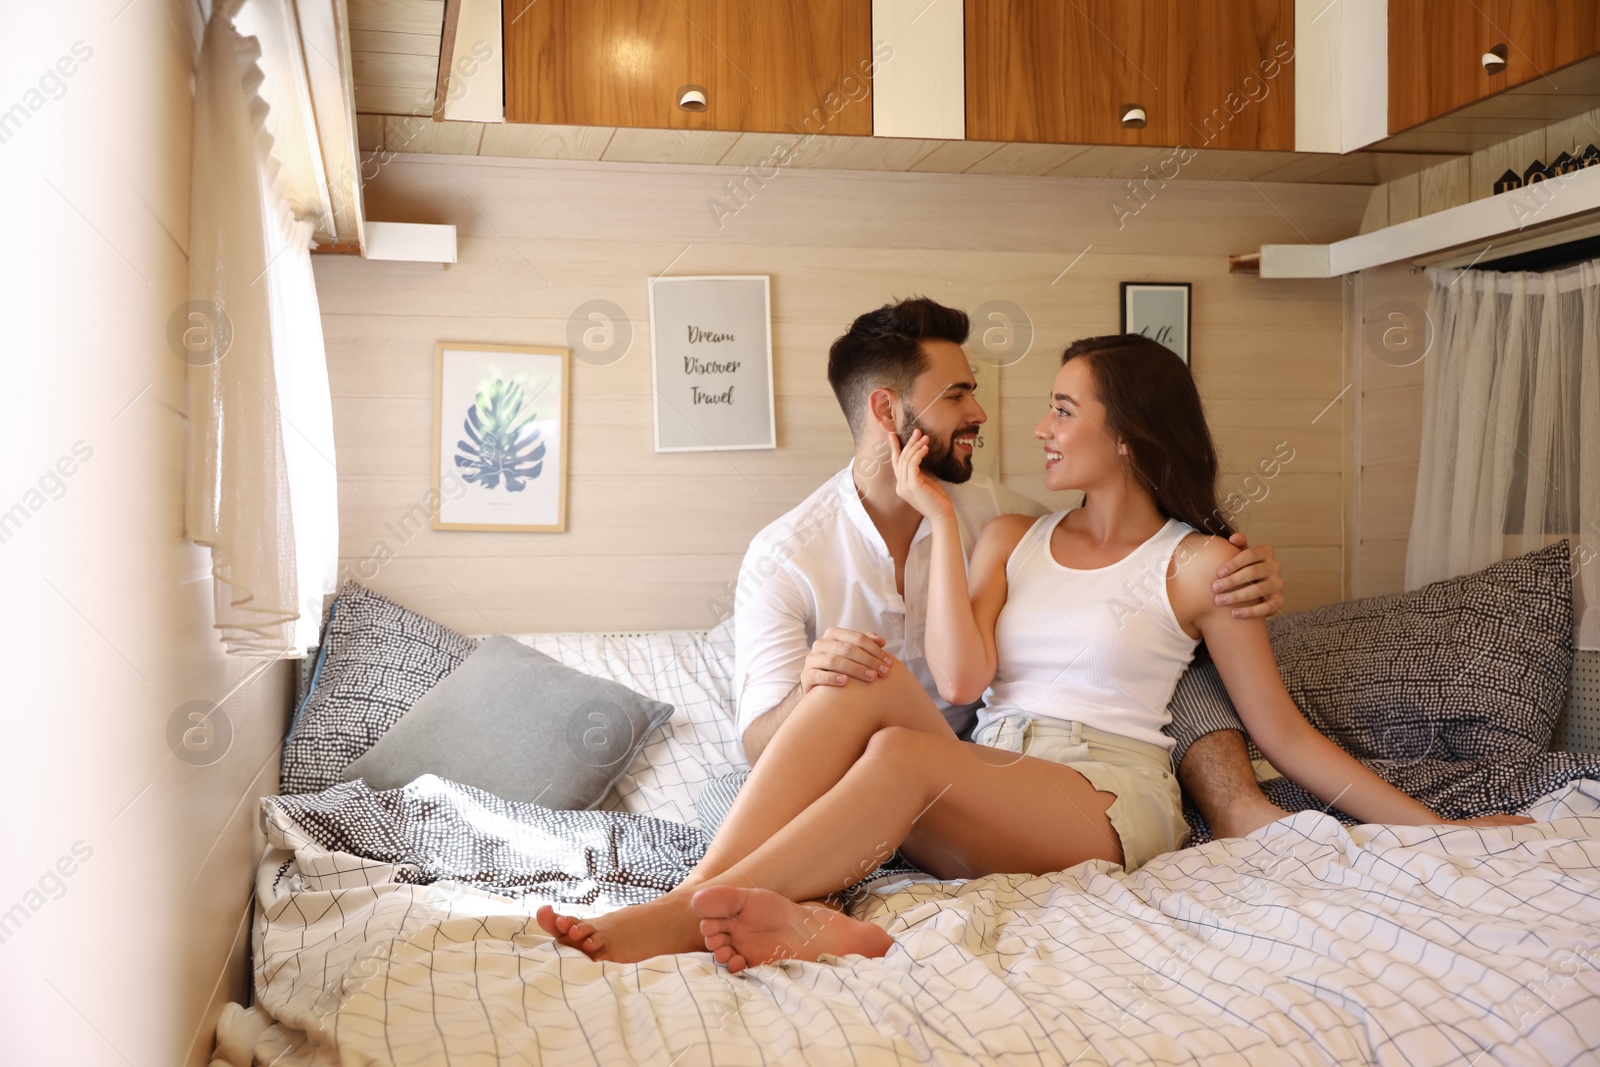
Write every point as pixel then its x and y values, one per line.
pixel 1564 164
pixel 500 425
pixel 711 346
pixel 1159 311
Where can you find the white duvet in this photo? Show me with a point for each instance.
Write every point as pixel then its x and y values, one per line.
pixel 1305 943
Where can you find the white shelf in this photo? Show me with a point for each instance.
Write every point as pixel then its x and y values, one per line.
pixel 413 242
pixel 1501 216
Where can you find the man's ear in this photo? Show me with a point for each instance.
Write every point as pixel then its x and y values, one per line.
pixel 882 409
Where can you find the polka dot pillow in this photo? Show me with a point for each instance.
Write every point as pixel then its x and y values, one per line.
pixel 377 659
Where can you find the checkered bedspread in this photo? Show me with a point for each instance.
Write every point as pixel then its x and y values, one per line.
pixel 396 928
pixel 1307 942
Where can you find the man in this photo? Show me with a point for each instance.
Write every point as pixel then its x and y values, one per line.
pixel 827 590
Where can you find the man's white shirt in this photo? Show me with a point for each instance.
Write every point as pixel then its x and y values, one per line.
pixel 825 564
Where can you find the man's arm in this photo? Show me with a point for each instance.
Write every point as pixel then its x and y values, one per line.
pixel 837 655
pixel 775 663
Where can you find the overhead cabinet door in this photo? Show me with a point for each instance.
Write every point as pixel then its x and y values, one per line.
pixel 1206 73
pixel 776 66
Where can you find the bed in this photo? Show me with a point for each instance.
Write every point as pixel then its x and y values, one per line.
pixel 396 927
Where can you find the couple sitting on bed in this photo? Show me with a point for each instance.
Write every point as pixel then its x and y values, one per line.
pixel 1072 627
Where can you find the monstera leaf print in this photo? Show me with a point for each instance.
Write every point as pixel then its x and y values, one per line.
pixel 502 439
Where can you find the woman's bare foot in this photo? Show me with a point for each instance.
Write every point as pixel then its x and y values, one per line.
pixel 746 927
pixel 661 927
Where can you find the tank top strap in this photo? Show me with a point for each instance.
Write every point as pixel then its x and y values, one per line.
pixel 1174 533
pixel 1035 541
pixel 1165 544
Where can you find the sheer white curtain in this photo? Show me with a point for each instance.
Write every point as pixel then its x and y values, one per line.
pixel 1511 427
pixel 262 487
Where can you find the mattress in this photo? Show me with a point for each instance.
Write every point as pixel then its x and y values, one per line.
pixel 1308 942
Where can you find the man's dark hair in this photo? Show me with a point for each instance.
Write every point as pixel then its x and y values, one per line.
pixel 883 350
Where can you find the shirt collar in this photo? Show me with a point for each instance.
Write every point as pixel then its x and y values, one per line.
pixel 863 522
pixel 857 511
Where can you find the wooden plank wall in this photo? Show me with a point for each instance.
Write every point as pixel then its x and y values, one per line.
pixel 653 539
pixel 1392 304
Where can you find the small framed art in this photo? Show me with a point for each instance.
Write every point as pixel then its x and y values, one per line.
pixel 1159 311
pixel 711 363
pixel 500 428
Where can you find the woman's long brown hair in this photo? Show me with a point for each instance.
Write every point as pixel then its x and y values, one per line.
pixel 1153 405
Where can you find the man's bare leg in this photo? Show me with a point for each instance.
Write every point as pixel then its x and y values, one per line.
pixel 1217 774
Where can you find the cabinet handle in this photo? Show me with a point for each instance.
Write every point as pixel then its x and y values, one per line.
pixel 1494 60
pixel 692 98
pixel 1133 116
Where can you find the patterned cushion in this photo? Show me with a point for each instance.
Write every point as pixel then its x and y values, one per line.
pixel 1433 689
pixel 377 660
pixel 1464 668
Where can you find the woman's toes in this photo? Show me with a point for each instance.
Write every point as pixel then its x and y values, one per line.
pixel 569 930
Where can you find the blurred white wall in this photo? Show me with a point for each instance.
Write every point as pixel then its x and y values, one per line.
pixel 127 860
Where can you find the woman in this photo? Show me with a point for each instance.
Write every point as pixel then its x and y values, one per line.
pixel 1075 629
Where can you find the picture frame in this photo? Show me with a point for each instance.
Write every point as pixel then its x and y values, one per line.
pixel 495 437
pixel 711 363
pixel 1160 311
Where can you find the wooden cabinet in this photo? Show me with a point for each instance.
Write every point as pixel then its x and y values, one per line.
pixel 783 66
pixel 1209 73
pixel 1436 49
pixel 1542 35
pixel 1235 76
pixel 1060 73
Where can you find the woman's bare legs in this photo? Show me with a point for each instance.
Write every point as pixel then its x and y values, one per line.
pixel 814 748
pixel 820 741
pixel 822 738
pixel 956 809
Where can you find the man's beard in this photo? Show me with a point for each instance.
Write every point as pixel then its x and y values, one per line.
pixel 942 460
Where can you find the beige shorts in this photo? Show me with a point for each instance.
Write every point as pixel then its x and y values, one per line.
pixel 1148 811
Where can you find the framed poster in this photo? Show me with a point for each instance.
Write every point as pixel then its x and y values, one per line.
pixel 1159 311
pixel 500 429
pixel 711 357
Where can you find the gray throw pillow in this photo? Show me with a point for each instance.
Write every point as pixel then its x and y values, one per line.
pixel 516 723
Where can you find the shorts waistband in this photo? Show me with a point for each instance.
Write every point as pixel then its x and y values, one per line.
pixel 1076 731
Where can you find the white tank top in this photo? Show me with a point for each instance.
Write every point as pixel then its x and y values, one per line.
pixel 1101 646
